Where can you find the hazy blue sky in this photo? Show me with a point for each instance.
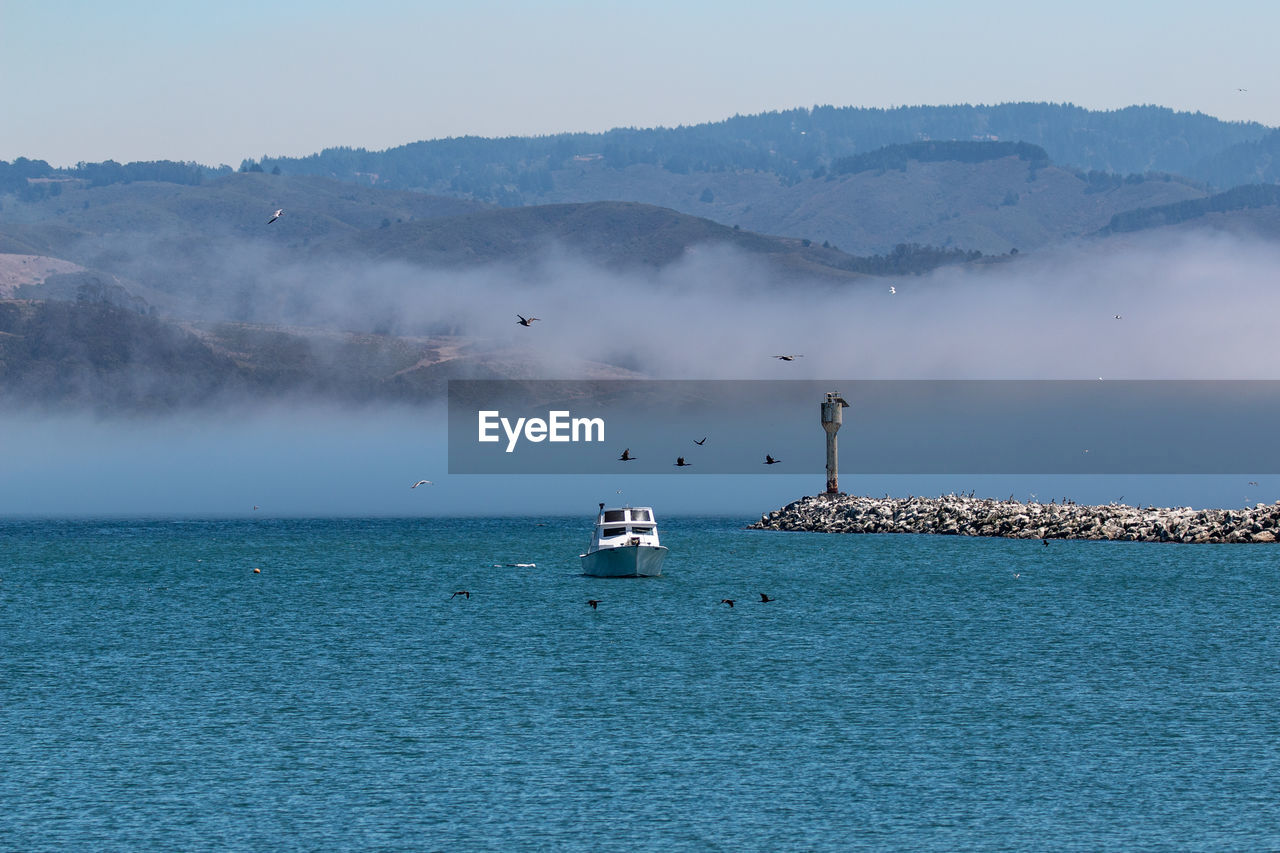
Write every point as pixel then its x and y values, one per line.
pixel 218 82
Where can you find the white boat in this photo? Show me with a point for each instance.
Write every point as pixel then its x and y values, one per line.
pixel 624 545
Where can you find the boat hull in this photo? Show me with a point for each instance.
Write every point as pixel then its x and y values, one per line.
pixel 626 561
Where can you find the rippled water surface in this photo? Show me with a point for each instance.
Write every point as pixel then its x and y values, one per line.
pixel 902 692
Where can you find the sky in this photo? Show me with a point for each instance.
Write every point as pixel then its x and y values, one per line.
pixel 220 82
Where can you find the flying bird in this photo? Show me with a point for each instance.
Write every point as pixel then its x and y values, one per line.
pixel 625 457
pixel 680 463
pixel 788 357
pixel 422 483
pixel 700 443
pixel 593 602
pixel 1118 317
pixel 525 321
pixel 728 601
pixel 461 592
pixel 276 216
pixel 892 290
pixel 769 460
pixel 764 599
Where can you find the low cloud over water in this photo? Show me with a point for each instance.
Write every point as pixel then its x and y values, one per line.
pixel 1195 307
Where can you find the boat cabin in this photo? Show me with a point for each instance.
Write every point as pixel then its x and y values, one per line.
pixel 622 526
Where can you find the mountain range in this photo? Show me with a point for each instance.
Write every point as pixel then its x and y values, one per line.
pixel 161 285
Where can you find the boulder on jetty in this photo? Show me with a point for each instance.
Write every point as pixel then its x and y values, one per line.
pixel 961 515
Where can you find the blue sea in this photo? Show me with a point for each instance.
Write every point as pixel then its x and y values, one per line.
pixel 901 692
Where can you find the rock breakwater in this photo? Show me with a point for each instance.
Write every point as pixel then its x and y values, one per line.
pixel 959 515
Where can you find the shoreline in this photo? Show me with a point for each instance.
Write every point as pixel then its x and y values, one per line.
pixel 960 515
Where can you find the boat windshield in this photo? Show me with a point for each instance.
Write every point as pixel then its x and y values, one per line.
pixel 640 515
pixel 615 515
pixel 634 530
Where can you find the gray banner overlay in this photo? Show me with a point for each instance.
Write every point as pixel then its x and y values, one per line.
pixel 888 427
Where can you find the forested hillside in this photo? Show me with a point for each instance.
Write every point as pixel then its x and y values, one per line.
pixel 792 145
pixel 167 284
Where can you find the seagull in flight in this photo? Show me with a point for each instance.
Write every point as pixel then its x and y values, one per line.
pixel 276 216
pixel 626 457
pixel 526 321
pixel 769 460
pixel 422 483
pixel 700 443
pixel 1253 482
pixel 892 290
pixel 680 463
pixel 1118 317
pixel 788 357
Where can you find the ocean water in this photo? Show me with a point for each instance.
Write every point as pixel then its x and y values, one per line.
pixel 901 692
